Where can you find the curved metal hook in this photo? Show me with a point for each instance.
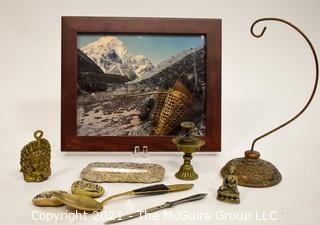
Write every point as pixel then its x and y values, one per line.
pixel 257 35
pixel 316 64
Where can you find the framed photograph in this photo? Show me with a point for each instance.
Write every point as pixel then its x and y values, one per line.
pixel 131 82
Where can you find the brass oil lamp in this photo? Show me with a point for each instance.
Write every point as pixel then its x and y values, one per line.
pixel 251 170
pixel 187 144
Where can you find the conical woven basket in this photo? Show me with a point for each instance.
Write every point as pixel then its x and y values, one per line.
pixel 172 107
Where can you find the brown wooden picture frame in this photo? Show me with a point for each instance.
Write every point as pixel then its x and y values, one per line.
pixel 71 26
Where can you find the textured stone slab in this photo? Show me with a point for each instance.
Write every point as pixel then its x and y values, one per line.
pixel 123 172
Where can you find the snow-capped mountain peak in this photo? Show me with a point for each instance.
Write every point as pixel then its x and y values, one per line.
pixel 112 56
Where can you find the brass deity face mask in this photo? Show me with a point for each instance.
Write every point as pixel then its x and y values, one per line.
pixel 35 159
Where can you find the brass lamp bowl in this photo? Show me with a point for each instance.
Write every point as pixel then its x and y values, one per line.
pixel 186 148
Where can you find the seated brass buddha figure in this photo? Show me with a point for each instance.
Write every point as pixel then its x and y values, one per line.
pixel 228 192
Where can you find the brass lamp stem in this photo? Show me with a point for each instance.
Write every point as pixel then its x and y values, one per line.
pixel 316 79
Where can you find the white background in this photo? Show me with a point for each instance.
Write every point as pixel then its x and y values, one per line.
pixel 264 82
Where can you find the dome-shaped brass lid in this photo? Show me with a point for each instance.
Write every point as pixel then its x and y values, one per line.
pixel 253 171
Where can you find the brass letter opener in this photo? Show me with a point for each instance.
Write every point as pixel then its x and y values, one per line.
pixel 156 208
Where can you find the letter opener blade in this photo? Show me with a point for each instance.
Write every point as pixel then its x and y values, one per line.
pixel 156 208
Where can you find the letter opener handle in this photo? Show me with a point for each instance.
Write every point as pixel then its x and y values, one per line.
pixel 156 208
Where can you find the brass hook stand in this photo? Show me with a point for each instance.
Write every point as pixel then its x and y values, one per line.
pixel 251 170
pixel 316 79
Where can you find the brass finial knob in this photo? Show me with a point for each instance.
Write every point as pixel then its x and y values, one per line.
pixel 252 154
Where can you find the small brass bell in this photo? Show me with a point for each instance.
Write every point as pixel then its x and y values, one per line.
pixel 35 159
pixel 187 144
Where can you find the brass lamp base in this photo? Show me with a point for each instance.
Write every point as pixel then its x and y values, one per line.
pixel 186 171
pixel 252 171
